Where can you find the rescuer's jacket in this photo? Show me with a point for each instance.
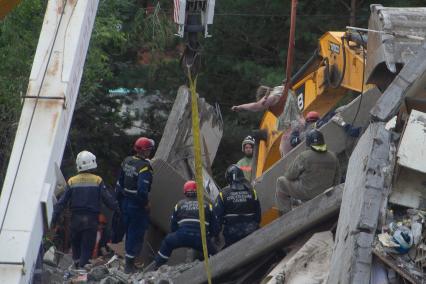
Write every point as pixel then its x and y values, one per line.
pixel 237 204
pixel 186 217
pixel 135 180
pixel 84 194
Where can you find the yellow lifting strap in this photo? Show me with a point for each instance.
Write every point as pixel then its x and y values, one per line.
pixel 199 170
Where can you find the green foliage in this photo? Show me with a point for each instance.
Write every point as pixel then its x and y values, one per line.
pixel 17 48
pixel 133 46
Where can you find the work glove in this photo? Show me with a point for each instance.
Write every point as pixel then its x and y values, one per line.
pixel 338 119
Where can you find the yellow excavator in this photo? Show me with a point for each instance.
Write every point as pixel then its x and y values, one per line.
pixel 336 67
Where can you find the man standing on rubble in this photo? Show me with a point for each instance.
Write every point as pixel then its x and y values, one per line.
pixel 133 187
pixel 84 194
pixel 185 226
pixel 245 164
pixel 311 173
pixel 237 207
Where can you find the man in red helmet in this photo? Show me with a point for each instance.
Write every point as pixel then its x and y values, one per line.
pixel 185 226
pixel 133 186
pixel 296 133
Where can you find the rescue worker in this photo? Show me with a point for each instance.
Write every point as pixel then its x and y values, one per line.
pixel 185 226
pixel 245 163
pixel 84 193
pixel 237 207
pixel 311 173
pixel 297 132
pixel 133 187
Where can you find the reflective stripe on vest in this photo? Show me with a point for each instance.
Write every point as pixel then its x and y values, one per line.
pixel 238 215
pixel 191 220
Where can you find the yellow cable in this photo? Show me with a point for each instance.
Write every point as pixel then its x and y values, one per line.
pixel 199 170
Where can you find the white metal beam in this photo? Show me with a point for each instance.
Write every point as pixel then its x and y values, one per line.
pixel 42 133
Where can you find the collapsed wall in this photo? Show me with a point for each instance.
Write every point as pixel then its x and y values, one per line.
pixel 367 186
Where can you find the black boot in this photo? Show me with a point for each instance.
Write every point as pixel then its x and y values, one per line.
pixel 151 267
pixel 130 265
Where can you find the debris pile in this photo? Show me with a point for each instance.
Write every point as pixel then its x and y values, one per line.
pixel 58 268
pixel 401 245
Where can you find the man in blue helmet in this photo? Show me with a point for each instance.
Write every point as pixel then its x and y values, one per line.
pixel 311 173
pixel 237 207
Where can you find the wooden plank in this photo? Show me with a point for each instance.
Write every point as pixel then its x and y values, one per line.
pixel 268 238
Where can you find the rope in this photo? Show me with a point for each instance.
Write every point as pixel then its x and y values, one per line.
pixel 199 169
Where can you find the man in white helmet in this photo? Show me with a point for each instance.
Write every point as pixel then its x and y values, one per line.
pixel 84 194
pixel 245 164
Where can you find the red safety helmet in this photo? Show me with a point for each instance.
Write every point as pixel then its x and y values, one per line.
pixel 143 144
pixel 312 116
pixel 189 187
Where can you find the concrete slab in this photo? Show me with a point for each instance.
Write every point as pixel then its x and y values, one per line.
pixel 409 82
pixel 409 189
pixel 387 53
pixel 165 193
pixel 175 146
pixel 367 187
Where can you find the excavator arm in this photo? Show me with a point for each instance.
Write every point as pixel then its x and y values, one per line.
pixel 336 67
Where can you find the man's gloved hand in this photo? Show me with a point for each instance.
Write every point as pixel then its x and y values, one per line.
pixel 338 119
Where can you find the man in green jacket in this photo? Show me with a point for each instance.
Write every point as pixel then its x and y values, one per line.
pixel 311 173
pixel 245 164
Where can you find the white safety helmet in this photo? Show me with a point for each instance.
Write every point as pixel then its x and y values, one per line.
pixel 85 161
pixel 248 140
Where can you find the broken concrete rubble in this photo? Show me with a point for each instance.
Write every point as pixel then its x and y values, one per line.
pixel 103 274
pixel 366 188
pixel 393 51
pixel 408 83
pixel 309 265
pixel 387 52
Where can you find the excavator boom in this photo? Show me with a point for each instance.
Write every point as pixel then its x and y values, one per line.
pixel 336 67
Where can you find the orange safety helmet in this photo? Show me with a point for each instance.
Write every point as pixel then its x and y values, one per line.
pixel 189 187
pixel 143 143
pixel 312 116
